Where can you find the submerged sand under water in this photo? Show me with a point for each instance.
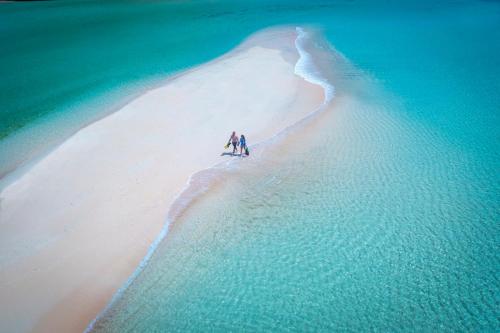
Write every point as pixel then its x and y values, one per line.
pixel 358 218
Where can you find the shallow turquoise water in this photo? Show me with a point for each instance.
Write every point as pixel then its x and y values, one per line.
pixel 385 219
pixel 372 226
pixel 66 64
pixel 382 214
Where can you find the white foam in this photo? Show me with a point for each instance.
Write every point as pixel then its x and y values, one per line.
pixel 306 68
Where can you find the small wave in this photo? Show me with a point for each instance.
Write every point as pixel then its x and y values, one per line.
pixel 306 68
pixel 200 182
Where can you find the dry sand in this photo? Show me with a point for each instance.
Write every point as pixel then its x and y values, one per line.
pixel 76 224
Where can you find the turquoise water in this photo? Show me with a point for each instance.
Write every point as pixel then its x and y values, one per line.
pixel 65 64
pixel 380 214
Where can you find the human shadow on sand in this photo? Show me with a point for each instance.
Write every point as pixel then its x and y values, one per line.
pixel 231 154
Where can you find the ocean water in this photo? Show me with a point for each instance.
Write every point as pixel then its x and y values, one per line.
pixel 379 213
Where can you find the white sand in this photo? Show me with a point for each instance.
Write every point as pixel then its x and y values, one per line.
pixel 76 225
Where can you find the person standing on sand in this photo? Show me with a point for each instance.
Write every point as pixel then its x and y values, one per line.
pixel 243 144
pixel 234 140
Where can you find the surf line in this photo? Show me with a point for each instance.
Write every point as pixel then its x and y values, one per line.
pixel 199 182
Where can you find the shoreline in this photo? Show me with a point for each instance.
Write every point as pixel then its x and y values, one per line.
pixel 121 100
pixel 197 184
pixel 8 176
pixel 51 319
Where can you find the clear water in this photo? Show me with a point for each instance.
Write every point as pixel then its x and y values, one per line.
pixel 380 214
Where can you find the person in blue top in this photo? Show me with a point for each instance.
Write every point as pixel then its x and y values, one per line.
pixel 243 145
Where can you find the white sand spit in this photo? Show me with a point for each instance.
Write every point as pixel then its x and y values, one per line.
pixel 76 225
